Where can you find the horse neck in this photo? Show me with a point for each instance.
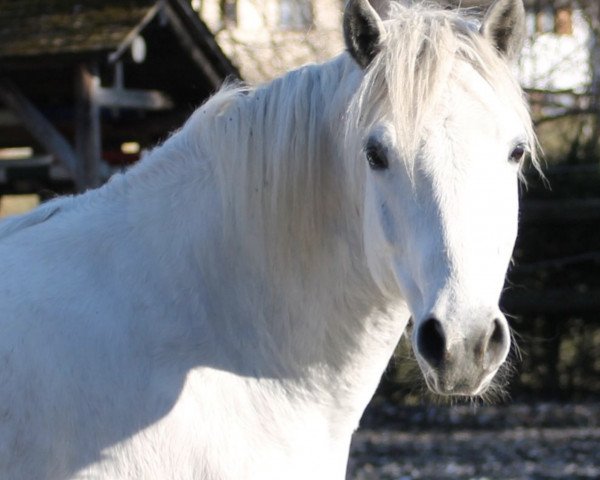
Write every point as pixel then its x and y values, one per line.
pixel 281 256
pixel 293 225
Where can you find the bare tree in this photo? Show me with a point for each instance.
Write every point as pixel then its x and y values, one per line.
pixel 310 32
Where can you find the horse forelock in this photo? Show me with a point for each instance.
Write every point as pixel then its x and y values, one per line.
pixel 422 49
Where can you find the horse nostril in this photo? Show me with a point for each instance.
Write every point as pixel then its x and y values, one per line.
pixel 497 343
pixel 431 342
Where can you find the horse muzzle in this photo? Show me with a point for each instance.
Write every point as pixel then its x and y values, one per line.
pixel 460 361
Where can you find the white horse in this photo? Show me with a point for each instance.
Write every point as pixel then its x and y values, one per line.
pixel 224 310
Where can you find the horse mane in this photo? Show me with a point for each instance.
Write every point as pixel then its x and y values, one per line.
pixel 420 52
pixel 268 148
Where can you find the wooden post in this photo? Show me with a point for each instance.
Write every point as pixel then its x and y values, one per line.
pixel 88 143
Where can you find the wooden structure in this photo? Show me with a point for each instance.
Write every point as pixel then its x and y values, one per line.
pixel 80 79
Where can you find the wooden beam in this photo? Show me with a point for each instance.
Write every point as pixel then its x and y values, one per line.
pixel 38 125
pixel 556 263
pixel 88 141
pixel 126 43
pixel 565 301
pixel 198 56
pixel 560 211
pixel 40 175
pixel 131 98
pixel 8 118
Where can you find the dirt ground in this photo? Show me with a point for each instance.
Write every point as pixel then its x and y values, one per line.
pixel 514 442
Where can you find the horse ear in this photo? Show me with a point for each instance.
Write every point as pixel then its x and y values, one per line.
pixel 504 26
pixel 363 29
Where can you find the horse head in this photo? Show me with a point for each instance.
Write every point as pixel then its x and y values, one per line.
pixel 444 132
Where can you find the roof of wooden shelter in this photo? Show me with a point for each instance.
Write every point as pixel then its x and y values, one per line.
pixel 41 27
pixel 45 43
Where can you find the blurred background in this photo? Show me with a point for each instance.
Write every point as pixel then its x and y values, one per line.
pixel 86 86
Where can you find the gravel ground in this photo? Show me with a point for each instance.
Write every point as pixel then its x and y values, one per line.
pixel 515 442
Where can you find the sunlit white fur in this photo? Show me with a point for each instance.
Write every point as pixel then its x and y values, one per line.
pixel 225 309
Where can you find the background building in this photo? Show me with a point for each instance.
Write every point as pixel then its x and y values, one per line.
pixel 558 52
pixel 266 38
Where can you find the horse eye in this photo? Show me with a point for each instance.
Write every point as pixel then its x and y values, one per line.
pixel 517 154
pixel 376 158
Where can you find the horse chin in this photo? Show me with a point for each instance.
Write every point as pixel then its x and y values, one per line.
pixel 459 391
pixel 462 390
